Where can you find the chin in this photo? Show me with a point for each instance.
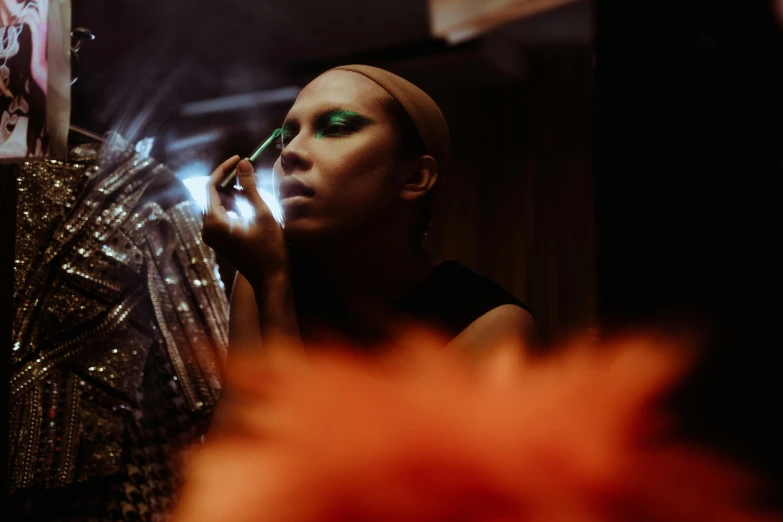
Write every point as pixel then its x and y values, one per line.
pixel 306 233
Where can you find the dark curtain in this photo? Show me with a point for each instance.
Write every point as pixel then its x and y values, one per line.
pixel 519 207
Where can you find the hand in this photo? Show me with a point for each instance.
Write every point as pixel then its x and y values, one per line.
pixel 255 245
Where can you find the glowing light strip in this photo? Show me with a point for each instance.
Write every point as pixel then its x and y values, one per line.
pixel 239 101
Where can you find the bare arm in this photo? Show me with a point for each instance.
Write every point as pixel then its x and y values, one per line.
pixel 276 311
pixel 244 327
pixel 266 317
pixel 507 326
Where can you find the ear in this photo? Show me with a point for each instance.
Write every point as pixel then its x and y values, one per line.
pixel 420 179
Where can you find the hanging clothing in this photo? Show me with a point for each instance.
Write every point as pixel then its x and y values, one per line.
pixel 120 333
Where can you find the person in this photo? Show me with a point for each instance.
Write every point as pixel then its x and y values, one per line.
pixel 23 57
pixel 363 153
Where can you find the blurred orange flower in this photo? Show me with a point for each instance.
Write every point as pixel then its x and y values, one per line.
pixel 420 435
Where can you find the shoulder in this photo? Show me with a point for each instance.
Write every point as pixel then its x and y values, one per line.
pixel 509 318
pixel 465 303
pixel 505 325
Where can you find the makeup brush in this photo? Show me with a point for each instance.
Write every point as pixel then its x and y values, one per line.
pixel 228 181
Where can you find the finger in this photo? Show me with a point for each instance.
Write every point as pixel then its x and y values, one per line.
pixel 247 180
pixel 214 203
pixel 213 196
pixel 223 169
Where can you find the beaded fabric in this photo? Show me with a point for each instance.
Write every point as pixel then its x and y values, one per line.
pixel 120 335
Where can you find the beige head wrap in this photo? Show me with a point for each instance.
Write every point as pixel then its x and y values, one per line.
pixel 423 111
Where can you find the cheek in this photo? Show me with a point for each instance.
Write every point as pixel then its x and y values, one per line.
pixel 365 163
pixel 355 184
pixel 360 177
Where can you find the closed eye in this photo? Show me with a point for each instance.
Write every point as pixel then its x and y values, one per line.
pixel 338 123
pixel 338 129
pixel 334 123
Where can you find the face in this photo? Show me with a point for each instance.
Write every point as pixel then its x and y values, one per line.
pixel 339 171
pixel 14 7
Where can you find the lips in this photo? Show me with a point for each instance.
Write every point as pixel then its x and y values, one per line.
pixel 291 188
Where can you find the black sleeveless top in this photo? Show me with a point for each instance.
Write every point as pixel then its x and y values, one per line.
pixel 453 296
pixel 449 300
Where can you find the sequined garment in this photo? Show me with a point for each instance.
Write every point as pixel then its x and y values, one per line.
pixel 120 332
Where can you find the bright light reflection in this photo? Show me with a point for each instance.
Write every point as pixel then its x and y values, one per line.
pixel 197 186
pixel 245 208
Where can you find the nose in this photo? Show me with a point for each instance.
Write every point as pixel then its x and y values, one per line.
pixel 294 156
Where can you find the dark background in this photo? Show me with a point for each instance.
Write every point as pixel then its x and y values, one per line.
pixel 689 193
